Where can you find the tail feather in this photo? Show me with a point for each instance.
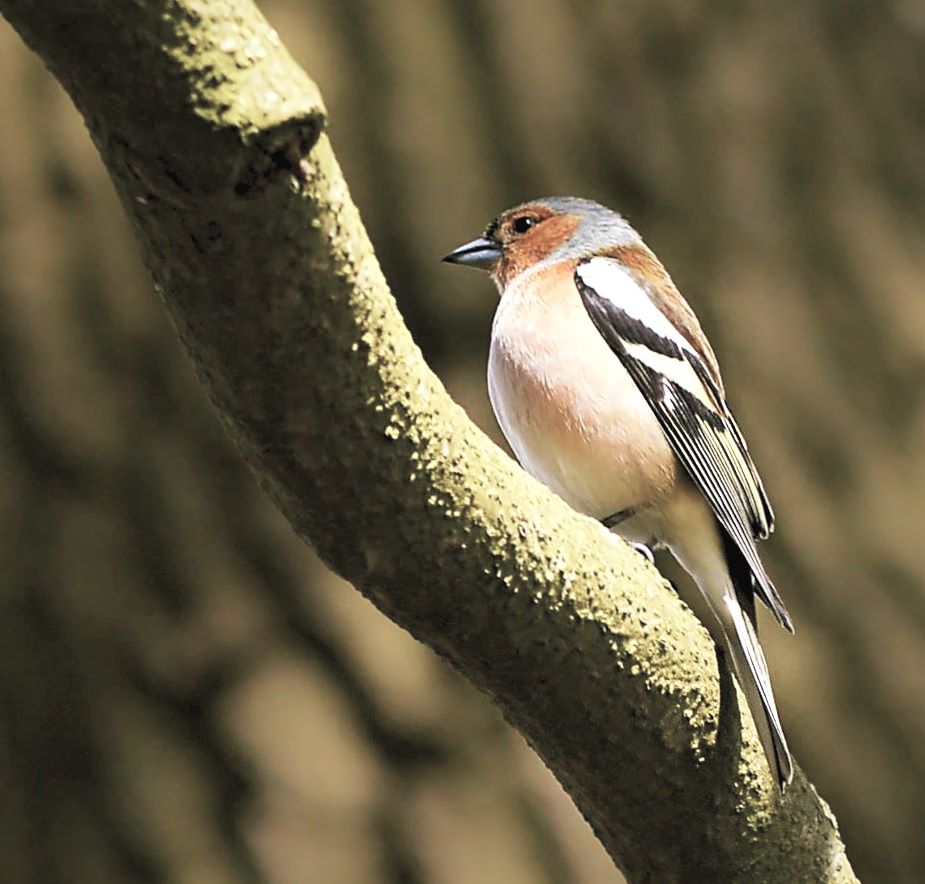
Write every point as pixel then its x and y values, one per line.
pixel 726 581
pixel 751 670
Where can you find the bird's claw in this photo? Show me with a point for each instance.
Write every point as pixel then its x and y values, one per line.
pixel 644 551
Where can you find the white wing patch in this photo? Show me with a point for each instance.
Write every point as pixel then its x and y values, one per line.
pixel 678 370
pixel 615 284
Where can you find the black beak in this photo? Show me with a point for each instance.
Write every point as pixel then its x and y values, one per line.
pixel 481 252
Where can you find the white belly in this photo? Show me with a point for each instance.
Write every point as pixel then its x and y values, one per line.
pixel 569 410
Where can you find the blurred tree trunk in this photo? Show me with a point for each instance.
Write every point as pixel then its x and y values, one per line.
pixel 155 609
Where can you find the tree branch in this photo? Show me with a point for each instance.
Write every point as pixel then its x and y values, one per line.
pixel 213 138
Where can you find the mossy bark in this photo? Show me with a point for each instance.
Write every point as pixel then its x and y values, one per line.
pixel 214 139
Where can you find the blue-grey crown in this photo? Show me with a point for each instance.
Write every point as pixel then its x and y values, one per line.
pixel 600 227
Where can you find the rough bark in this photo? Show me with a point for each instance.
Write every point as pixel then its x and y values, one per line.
pixel 213 138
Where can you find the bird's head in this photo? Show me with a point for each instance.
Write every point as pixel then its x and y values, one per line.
pixel 544 231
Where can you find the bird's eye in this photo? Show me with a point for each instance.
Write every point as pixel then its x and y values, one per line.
pixel 523 223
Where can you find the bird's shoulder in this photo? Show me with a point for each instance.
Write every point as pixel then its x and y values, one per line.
pixel 645 269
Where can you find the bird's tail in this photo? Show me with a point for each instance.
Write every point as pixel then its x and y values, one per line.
pixel 751 670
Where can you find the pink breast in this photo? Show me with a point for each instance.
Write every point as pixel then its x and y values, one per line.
pixel 569 410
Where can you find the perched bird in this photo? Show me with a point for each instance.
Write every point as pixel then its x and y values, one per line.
pixel 609 393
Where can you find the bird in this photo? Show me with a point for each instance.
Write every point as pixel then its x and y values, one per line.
pixel 609 393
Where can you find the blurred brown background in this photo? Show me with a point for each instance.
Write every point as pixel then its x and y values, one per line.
pixel 187 696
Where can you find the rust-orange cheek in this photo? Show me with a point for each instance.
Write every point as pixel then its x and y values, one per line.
pixel 536 245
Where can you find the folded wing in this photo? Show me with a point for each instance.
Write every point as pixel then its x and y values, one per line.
pixel 688 402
